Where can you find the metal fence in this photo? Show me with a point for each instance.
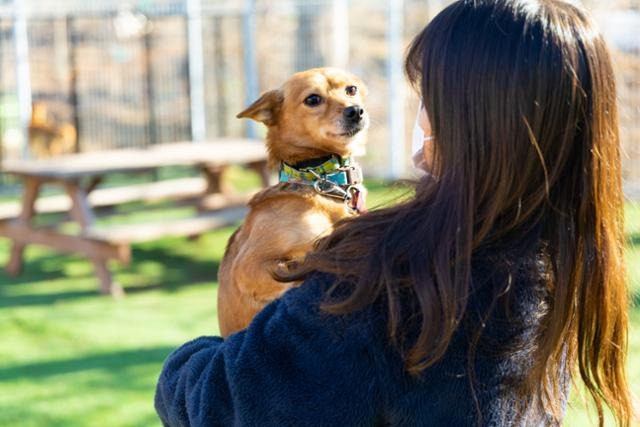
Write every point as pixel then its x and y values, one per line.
pixel 134 73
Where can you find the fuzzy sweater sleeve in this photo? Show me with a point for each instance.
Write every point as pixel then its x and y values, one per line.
pixel 294 365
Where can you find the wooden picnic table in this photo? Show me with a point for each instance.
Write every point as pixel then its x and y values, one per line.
pixel 79 175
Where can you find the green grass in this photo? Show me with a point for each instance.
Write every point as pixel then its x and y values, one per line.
pixel 69 357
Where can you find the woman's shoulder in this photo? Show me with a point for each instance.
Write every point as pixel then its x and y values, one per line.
pixel 507 268
pixel 505 312
pixel 306 303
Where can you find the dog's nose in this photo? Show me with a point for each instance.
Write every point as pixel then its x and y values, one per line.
pixel 354 113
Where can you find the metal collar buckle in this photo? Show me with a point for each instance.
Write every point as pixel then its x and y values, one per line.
pixel 354 174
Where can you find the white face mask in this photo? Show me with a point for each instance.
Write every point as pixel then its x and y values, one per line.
pixel 417 143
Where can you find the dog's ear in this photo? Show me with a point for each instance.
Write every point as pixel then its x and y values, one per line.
pixel 265 109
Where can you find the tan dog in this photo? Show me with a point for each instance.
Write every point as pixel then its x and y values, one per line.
pixel 47 137
pixel 315 123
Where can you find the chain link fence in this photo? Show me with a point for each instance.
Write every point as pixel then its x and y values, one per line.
pixel 134 73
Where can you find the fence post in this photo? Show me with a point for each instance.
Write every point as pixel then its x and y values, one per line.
pixel 150 85
pixel 340 19
pixel 23 71
pixel 397 143
pixel 196 70
pixel 220 76
pixel 73 79
pixel 250 62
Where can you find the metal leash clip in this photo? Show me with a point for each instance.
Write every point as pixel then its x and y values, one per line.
pixel 327 188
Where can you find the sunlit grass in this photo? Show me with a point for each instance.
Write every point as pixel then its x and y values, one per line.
pixel 69 357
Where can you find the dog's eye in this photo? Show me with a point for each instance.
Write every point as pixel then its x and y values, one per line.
pixel 313 100
pixel 351 90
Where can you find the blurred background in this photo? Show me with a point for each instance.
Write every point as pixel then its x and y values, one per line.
pixel 82 78
pixel 138 73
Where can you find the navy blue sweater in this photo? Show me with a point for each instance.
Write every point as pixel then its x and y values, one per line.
pixel 298 366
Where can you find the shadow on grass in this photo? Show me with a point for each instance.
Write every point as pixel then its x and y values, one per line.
pixel 36 270
pixel 633 239
pixel 42 299
pixel 169 272
pixel 635 299
pixel 116 360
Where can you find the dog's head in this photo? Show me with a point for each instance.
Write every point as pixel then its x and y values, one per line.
pixel 315 113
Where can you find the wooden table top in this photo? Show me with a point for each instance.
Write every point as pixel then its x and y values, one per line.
pixel 221 151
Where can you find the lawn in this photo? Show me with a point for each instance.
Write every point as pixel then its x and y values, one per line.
pixel 69 357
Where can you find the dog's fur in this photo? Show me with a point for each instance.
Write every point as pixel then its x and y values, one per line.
pixel 286 219
pixel 47 137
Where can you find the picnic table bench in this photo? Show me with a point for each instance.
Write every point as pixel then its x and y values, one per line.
pixel 79 175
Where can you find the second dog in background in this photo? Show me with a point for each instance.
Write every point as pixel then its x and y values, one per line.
pixel 316 123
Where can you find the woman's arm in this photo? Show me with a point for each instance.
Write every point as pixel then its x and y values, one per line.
pixel 293 366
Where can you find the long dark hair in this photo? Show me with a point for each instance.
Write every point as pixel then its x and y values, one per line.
pixel 521 98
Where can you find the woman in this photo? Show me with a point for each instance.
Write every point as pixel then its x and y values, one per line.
pixel 476 302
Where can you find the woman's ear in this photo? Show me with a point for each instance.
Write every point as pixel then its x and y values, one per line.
pixel 265 109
